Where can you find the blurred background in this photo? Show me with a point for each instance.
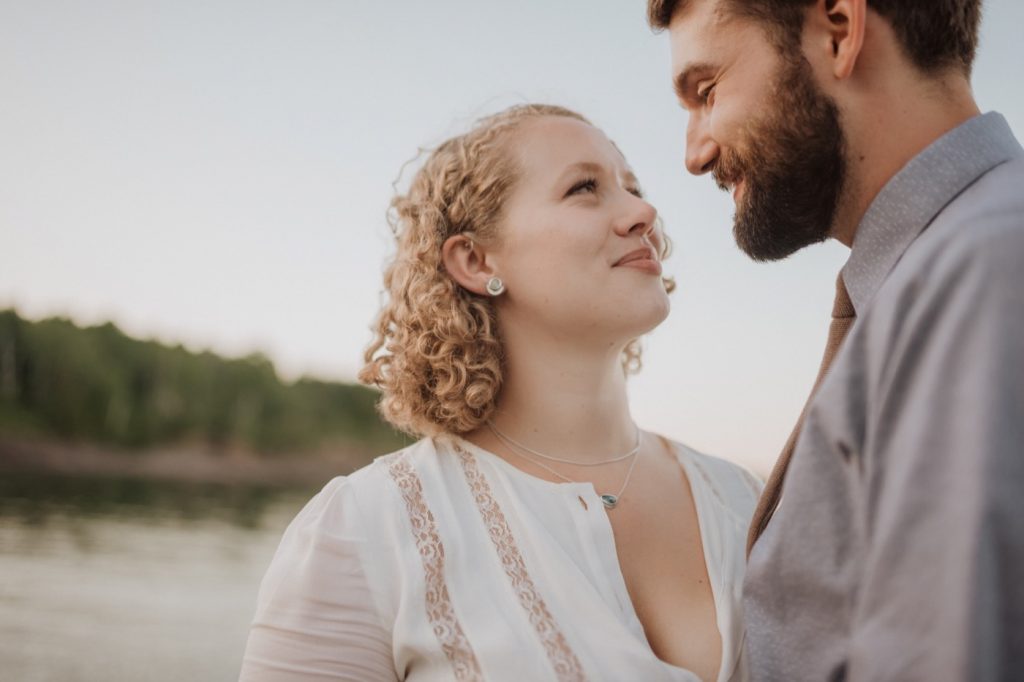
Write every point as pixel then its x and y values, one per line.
pixel 192 233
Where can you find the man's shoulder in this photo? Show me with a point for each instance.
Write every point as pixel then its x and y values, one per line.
pixel 988 212
pixel 962 275
pixel 978 237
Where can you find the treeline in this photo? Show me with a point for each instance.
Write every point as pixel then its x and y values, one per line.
pixel 98 385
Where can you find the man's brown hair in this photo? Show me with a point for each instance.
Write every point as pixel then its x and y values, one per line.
pixel 935 34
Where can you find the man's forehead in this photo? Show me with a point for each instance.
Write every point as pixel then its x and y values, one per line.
pixel 698 30
pixel 698 15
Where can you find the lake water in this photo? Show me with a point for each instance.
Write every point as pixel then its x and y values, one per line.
pixel 126 580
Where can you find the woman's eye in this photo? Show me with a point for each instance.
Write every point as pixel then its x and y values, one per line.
pixel 636 191
pixel 588 185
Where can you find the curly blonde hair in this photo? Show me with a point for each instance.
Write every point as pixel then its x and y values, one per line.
pixel 437 355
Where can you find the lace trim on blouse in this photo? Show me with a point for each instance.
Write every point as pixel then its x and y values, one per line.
pixel 440 612
pixel 565 663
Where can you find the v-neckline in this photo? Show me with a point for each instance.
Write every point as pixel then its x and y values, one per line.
pixel 689 472
pixel 615 575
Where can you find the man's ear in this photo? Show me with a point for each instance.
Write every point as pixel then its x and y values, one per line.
pixel 838 30
pixel 466 263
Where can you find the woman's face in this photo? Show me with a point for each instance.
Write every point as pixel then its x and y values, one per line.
pixel 579 248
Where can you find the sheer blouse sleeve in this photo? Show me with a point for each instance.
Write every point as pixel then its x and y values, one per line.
pixel 316 618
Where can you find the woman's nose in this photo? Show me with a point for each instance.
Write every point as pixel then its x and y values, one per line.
pixel 640 218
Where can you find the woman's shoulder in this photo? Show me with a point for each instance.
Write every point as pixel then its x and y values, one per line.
pixel 353 516
pixel 371 484
pixel 738 487
pixel 423 453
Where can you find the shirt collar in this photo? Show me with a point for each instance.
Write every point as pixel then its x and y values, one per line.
pixel 913 197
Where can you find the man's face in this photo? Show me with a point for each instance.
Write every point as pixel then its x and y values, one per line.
pixel 763 128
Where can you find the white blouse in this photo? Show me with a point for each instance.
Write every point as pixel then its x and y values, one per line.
pixel 443 561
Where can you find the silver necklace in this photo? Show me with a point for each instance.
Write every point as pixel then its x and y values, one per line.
pixel 609 500
pixel 615 458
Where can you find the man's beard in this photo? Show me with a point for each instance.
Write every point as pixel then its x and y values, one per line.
pixel 792 165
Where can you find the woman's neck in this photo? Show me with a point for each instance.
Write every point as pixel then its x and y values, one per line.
pixel 563 400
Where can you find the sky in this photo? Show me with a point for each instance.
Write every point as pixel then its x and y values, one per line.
pixel 217 173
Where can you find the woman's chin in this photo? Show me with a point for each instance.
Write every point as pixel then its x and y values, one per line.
pixel 661 306
pixel 657 322
pixel 649 317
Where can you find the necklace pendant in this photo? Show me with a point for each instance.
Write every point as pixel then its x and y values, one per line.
pixel 609 501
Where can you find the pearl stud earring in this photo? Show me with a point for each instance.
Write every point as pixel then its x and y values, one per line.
pixel 495 287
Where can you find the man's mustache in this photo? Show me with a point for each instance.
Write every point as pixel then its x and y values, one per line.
pixel 725 180
pixel 727 172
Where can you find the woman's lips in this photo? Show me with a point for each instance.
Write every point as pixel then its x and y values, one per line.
pixel 641 259
pixel 644 264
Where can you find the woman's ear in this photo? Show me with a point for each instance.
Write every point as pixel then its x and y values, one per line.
pixel 846 21
pixel 466 263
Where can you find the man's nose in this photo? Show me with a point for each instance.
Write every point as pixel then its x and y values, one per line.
pixel 701 149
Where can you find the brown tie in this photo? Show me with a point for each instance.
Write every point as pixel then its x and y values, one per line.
pixel 842 319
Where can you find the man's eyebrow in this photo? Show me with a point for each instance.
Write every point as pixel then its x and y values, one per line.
pixel 683 82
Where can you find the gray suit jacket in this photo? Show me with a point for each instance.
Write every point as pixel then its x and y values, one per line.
pixel 897 552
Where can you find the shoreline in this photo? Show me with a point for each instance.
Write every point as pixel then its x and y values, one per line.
pixel 183 463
